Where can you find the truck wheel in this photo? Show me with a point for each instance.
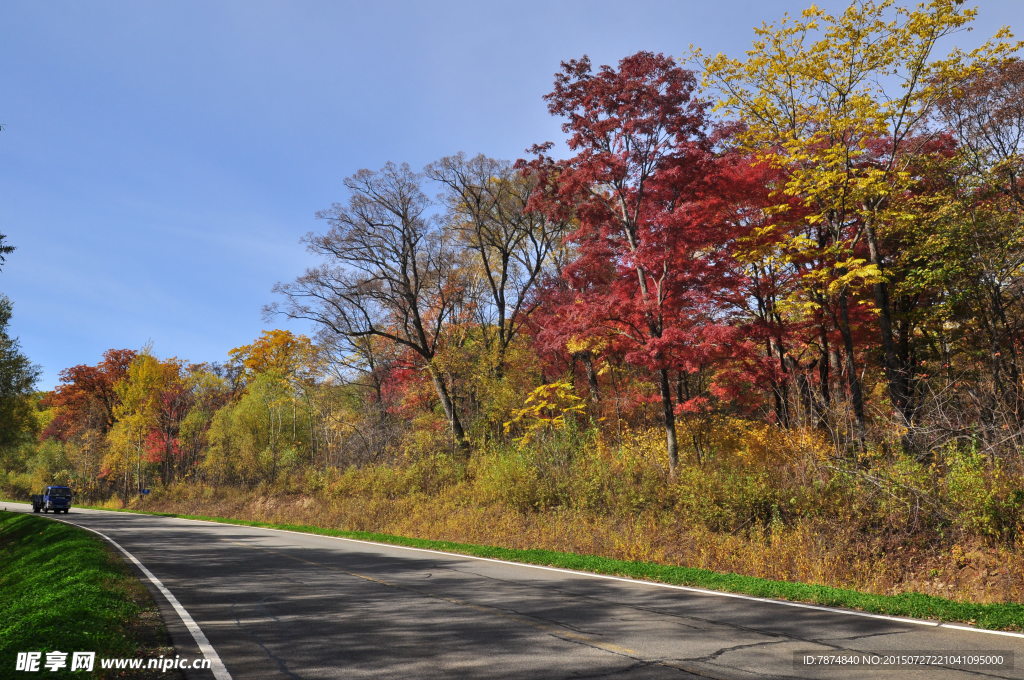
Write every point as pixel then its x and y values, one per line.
pixel 66 510
pixel 35 509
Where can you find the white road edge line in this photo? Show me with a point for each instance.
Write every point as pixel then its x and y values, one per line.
pixel 216 665
pixel 689 589
pixel 608 577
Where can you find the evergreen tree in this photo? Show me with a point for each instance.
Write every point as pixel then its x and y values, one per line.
pixel 17 380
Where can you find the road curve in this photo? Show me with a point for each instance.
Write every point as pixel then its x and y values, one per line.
pixel 285 605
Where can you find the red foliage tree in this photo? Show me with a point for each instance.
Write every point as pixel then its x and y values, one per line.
pixel 173 402
pixel 85 399
pixel 652 274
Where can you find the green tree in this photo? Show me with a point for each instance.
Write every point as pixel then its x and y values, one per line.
pixel 4 249
pixel 17 379
pixel 264 433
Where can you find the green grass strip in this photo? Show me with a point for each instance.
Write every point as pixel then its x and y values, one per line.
pixel 63 589
pixel 1001 616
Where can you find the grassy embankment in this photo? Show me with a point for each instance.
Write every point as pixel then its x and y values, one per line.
pixel 65 589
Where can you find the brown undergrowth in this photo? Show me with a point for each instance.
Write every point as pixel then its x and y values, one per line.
pixel 769 505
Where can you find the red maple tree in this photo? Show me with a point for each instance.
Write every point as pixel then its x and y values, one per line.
pixel 85 399
pixel 652 275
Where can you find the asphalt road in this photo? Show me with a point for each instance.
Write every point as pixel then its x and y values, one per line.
pixel 286 605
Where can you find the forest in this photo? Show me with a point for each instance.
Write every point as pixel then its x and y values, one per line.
pixel 760 314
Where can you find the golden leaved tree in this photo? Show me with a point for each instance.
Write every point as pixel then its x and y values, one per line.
pixel 137 414
pixel 839 104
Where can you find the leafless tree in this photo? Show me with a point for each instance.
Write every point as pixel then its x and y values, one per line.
pixel 487 211
pixel 390 272
pixel 985 112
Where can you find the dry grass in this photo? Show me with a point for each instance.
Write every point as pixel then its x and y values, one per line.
pixel 766 502
pixel 810 551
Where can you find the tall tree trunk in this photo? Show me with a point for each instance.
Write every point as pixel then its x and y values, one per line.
pixel 824 378
pixel 806 400
pixel 896 365
pixel 852 379
pixel 450 411
pixel 588 364
pixel 885 322
pixel 780 387
pixel 671 442
pixel 1006 356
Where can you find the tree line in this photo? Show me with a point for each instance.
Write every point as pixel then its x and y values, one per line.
pixel 825 235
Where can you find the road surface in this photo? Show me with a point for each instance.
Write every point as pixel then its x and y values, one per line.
pixel 284 605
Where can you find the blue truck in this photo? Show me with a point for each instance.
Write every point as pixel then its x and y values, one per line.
pixel 52 499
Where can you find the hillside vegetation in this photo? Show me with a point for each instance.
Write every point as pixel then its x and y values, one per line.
pixel 765 318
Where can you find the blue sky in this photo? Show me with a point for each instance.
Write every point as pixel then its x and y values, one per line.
pixel 161 160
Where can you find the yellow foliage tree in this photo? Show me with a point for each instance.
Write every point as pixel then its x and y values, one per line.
pixel 282 352
pixel 545 409
pixel 136 413
pixel 838 103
